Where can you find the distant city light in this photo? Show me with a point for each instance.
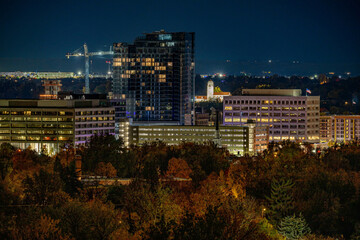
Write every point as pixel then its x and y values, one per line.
pixel 79 73
pixel 270 61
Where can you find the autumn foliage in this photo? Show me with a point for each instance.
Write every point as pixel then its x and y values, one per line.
pixel 190 191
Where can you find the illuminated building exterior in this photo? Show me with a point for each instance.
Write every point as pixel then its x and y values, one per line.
pixel 52 88
pixel 239 140
pixel 341 128
pixel 45 75
pixel 288 114
pixel 156 76
pixel 120 113
pixel 49 124
pixel 211 94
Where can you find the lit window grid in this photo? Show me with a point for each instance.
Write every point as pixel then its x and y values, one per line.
pixel 280 110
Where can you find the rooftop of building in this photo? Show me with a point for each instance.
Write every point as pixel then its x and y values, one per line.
pixel 222 93
pixel 70 95
pixel 341 116
pixel 39 103
pixel 272 92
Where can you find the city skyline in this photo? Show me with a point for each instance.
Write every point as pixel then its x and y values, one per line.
pixel 299 37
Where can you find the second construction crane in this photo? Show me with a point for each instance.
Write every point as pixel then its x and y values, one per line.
pixel 87 54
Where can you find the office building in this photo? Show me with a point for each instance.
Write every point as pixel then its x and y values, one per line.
pixel 288 114
pixel 339 128
pixel 156 76
pixel 239 140
pixel 48 124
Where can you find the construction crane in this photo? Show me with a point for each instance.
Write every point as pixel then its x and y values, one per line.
pixel 87 54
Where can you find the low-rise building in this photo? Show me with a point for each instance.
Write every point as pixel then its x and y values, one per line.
pixel 48 124
pixel 339 128
pixel 239 140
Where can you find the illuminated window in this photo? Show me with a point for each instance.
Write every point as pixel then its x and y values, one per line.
pixel 228 108
pixel 228 119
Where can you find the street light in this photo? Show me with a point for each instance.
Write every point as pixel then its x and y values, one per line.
pixel 263 211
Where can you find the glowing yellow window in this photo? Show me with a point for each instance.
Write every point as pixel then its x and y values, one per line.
pixel 228 108
pixel 228 119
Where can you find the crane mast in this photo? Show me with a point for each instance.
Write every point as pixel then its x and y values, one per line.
pixel 87 55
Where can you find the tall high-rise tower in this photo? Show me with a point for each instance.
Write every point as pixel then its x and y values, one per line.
pixel 156 76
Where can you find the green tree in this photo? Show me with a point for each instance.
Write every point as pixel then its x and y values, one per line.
pixel 281 202
pixel 293 227
pixel 71 184
pixel 6 153
pixel 101 148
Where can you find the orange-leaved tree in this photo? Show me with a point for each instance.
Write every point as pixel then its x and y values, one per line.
pixel 178 168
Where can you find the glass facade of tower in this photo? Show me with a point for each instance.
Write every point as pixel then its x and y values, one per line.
pixel 156 76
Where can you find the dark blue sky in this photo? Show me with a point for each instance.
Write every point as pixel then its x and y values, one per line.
pixel 322 35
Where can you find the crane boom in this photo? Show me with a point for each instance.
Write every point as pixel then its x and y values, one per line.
pixel 87 54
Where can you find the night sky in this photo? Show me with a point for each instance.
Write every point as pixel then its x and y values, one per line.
pixel 320 36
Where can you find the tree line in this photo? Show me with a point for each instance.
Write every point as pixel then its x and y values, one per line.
pixel 189 191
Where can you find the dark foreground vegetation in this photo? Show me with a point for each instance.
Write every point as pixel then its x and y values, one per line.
pixel 287 192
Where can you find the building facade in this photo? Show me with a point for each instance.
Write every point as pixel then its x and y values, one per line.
pixel 156 76
pixel 289 115
pixel 52 88
pixel 238 140
pixel 339 128
pixel 49 124
pixel 211 94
